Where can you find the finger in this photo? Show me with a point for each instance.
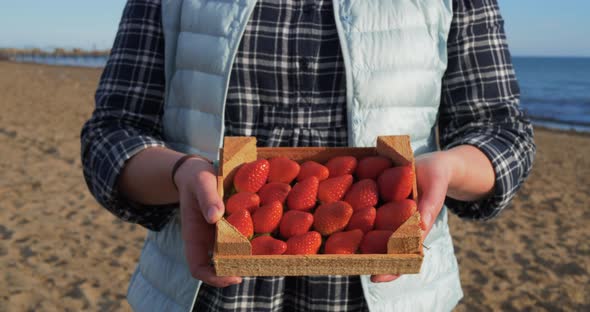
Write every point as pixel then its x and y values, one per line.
pixel 206 273
pixel 383 278
pixel 210 203
pixel 200 267
pixel 198 236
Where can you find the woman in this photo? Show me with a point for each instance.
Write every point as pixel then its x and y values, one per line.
pixel 182 74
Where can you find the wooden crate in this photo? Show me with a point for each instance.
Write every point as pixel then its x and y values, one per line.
pixel 232 255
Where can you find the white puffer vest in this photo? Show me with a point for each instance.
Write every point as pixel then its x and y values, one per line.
pixel 395 56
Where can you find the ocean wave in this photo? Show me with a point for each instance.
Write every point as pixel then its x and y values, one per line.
pixel 569 122
pixel 556 101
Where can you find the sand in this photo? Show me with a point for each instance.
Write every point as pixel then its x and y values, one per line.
pixel 60 251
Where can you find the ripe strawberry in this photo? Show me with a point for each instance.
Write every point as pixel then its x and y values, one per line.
pixel 362 194
pixel 303 195
pixel 274 191
pixel 363 219
pixel 344 242
pixel 391 215
pixel 282 169
pixel 332 217
pixel 295 222
pixel 304 244
pixel 371 167
pixel 312 168
pixel 242 221
pixel 267 218
pixel 251 176
pixel 396 183
pixel 333 189
pixel 266 245
pixel 244 200
pixel 375 242
pixel 341 165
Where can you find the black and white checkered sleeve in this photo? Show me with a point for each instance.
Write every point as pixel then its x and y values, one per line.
pixel 128 112
pixel 480 104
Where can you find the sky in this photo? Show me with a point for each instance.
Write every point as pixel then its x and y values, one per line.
pixel 533 27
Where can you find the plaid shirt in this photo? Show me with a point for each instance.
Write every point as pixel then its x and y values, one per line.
pixel 287 86
pixel 479 103
pixel 290 54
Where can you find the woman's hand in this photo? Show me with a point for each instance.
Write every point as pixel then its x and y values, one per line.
pixel 200 208
pixel 463 173
pixel 433 174
pixel 146 179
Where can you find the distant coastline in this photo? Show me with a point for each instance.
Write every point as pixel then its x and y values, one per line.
pixel 13 53
pixel 58 56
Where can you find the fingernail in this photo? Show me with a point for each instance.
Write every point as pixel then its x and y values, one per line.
pixel 237 280
pixel 212 214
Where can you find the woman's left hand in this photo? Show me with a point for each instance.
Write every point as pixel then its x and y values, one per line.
pixel 433 174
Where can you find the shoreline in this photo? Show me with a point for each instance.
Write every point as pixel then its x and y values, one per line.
pixel 561 131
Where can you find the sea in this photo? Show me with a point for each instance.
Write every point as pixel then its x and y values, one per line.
pixel 555 91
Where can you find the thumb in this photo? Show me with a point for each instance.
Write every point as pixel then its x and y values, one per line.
pixel 210 202
pixel 426 216
pixel 430 203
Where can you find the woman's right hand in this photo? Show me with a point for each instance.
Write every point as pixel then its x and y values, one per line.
pixel 200 208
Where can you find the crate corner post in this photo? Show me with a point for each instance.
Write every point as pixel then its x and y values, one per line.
pixel 235 152
pixel 407 239
pixel 399 149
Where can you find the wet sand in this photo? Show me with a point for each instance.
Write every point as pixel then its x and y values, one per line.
pixel 60 251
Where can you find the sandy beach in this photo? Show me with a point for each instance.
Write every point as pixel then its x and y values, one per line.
pixel 60 251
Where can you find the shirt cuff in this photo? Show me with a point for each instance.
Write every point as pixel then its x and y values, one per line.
pixel 507 175
pixel 152 217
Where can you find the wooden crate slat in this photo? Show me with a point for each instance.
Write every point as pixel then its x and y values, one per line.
pixel 298 265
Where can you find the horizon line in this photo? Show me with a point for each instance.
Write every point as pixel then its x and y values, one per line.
pixel 550 56
pixel 100 49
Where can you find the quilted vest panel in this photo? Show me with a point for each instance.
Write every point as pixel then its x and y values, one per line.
pixel 395 57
